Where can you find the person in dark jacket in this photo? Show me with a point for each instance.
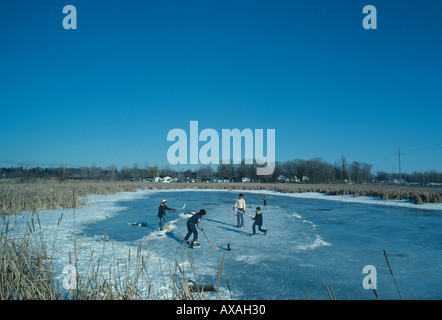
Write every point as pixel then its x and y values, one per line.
pixel 258 221
pixel 192 224
pixel 162 213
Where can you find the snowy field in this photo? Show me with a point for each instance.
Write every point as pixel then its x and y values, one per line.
pixel 313 241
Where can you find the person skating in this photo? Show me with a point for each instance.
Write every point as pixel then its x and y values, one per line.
pixel 265 200
pixel 240 211
pixel 192 224
pixel 258 222
pixel 162 213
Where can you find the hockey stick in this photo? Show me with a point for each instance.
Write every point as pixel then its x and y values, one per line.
pixel 244 213
pixel 181 208
pixel 202 230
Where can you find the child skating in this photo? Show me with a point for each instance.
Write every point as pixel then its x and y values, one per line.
pixel 162 213
pixel 192 224
pixel 258 222
pixel 265 200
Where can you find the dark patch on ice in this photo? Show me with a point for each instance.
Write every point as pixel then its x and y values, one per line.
pixel 403 255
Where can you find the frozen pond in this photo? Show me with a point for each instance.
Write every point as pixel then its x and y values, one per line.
pixel 313 241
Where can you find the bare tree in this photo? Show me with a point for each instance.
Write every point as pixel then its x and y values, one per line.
pixel 95 172
pixel 205 173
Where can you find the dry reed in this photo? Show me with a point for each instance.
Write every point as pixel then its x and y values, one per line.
pixel 26 272
pixel 39 195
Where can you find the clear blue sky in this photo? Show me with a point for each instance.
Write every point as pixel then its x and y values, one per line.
pixel 109 92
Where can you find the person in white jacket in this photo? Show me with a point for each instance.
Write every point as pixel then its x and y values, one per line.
pixel 240 207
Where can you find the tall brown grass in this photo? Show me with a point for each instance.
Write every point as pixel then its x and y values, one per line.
pixel 25 266
pixel 16 196
pixel 27 273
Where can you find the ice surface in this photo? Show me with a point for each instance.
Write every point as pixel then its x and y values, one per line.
pixel 313 240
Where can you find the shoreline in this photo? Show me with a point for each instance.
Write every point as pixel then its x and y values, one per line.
pixel 38 195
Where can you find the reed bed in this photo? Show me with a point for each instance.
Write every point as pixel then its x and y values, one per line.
pixel 25 266
pixel 418 195
pixel 27 273
pixel 16 196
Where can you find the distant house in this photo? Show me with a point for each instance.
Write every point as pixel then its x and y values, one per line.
pixel 245 179
pixel 156 179
pixel 167 179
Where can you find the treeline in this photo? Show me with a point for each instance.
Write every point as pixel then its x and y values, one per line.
pixel 299 171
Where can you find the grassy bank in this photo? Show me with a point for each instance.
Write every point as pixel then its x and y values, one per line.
pixel 38 195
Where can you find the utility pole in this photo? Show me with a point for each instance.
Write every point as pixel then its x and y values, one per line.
pixel 399 154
